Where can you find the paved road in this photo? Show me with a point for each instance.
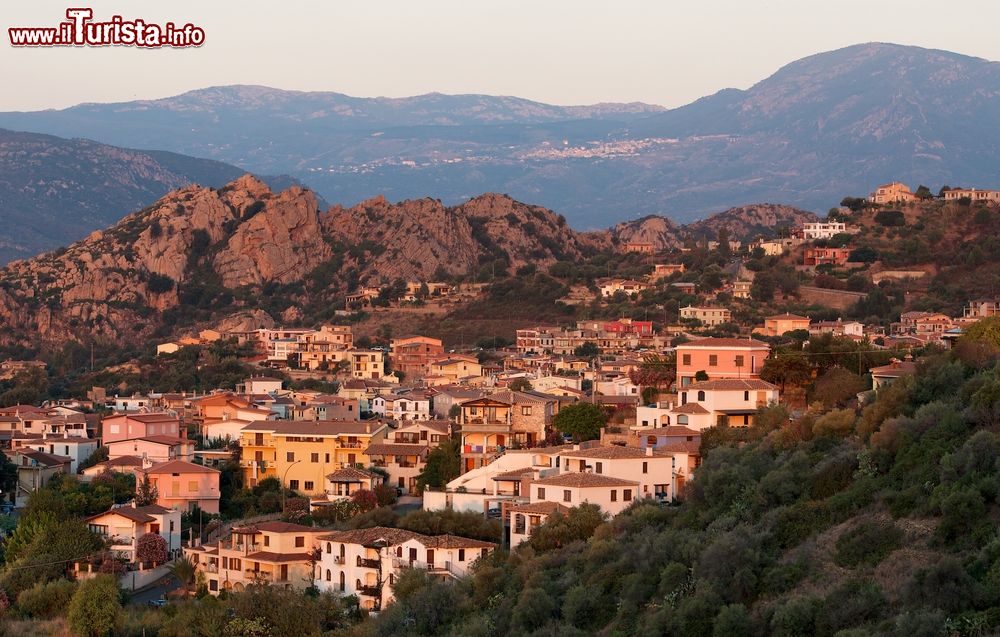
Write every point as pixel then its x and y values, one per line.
pixel 406 504
pixel 157 590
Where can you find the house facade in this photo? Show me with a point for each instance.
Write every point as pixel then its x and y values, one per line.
pixel 720 358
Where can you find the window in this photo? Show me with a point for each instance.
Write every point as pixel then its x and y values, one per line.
pixel 267 540
pixel 329 576
pixel 300 541
pixel 701 396
pixel 213 585
pixel 289 456
pixel 645 467
pixel 293 485
pixel 739 360
pixel 567 495
pixel 526 410
pixel 192 486
pixel 314 457
pixel 327 457
pixel 746 395
pixel 614 495
pixel 541 493
pixel 713 360
pixel 627 495
pixel 309 485
pixel 686 359
pixel 600 467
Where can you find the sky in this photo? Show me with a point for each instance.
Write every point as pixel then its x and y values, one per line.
pixel 667 52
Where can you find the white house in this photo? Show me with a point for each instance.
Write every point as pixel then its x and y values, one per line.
pixel 823 229
pixel 366 562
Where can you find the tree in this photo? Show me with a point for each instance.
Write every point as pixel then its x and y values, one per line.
pixel 184 571
pixel 95 608
pixel 656 371
pixel 151 547
pixel 145 492
pixel 444 464
pixel 786 368
pixel 923 192
pixel 587 349
pixel 837 386
pixel 582 420
pixel 520 384
pixel 560 530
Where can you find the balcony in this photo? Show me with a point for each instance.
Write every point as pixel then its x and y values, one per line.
pixel 370 591
pixel 349 445
pixel 368 563
pixel 337 559
pixel 261 576
pixel 210 568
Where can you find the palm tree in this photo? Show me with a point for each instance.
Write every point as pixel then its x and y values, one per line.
pixel 184 570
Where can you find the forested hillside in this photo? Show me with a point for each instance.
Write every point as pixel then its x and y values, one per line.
pixel 876 522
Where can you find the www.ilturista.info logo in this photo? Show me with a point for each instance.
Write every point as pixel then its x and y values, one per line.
pixel 80 30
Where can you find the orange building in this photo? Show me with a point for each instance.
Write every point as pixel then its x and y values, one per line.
pixel 412 355
pixel 825 256
pixel 720 358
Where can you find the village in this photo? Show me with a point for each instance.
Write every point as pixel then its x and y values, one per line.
pixel 603 412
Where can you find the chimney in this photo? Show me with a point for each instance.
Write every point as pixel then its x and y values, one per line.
pixel 368 428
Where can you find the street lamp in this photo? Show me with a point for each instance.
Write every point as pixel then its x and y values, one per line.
pixel 285 475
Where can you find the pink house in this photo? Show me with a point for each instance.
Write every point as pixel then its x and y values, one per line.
pixel 183 485
pixel 131 426
pixel 152 448
pixel 720 358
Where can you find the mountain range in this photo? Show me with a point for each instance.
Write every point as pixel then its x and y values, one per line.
pixel 54 191
pixel 820 128
pixel 199 254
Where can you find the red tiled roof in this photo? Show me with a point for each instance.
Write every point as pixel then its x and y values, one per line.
pixel 179 466
pixel 725 342
pixel 349 474
pixel 689 408
pixel 544 508
pixel 732 384
pixel 583 480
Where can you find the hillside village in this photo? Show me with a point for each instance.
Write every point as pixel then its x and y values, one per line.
pixel 604 412
pixel 255 481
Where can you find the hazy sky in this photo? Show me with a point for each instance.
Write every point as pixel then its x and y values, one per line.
pixel 665 52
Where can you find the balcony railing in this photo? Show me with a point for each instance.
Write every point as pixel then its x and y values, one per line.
pixel 210 568
pixel 350 445
pixel 258 575
pixel 368 563
pixel 370 591
pixel 338 559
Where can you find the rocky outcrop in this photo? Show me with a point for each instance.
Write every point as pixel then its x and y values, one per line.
pixel 203 254
pixel 745 223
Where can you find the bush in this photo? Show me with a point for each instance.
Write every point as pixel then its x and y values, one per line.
pixel 867 543
pixel 839 422
pixel 944 585
pixel 854 603
pixel 95 608
pixel 46 600
pixel 890 218
pixel 795 618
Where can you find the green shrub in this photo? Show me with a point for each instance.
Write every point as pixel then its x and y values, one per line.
pixel 45 600
pixel 867 544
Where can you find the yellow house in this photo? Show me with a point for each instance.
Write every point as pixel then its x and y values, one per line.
pixel 456 366
pixel 780 323
pixel 302 453
pixel 367 363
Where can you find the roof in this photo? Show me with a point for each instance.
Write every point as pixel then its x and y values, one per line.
pixel 268 556
pixel 163 440
pixel 368 537
pixel 147 418
pixel 669 430
pixel 43 458
pixel 274 527
pixel 786 317
pixel 733 384
pixel 543 508
pixel 610 452
pixel 725 342
pixel 689 408
pixel 514 474
pixel 583 480
pixel 179 466
pixel 350 474
pixel 126 512
pixel 316 427
pixel 395 449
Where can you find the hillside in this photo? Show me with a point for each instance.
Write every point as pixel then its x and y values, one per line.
pixel 53 191
pixel 837 121
pixel 878 523
pixel 199 255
